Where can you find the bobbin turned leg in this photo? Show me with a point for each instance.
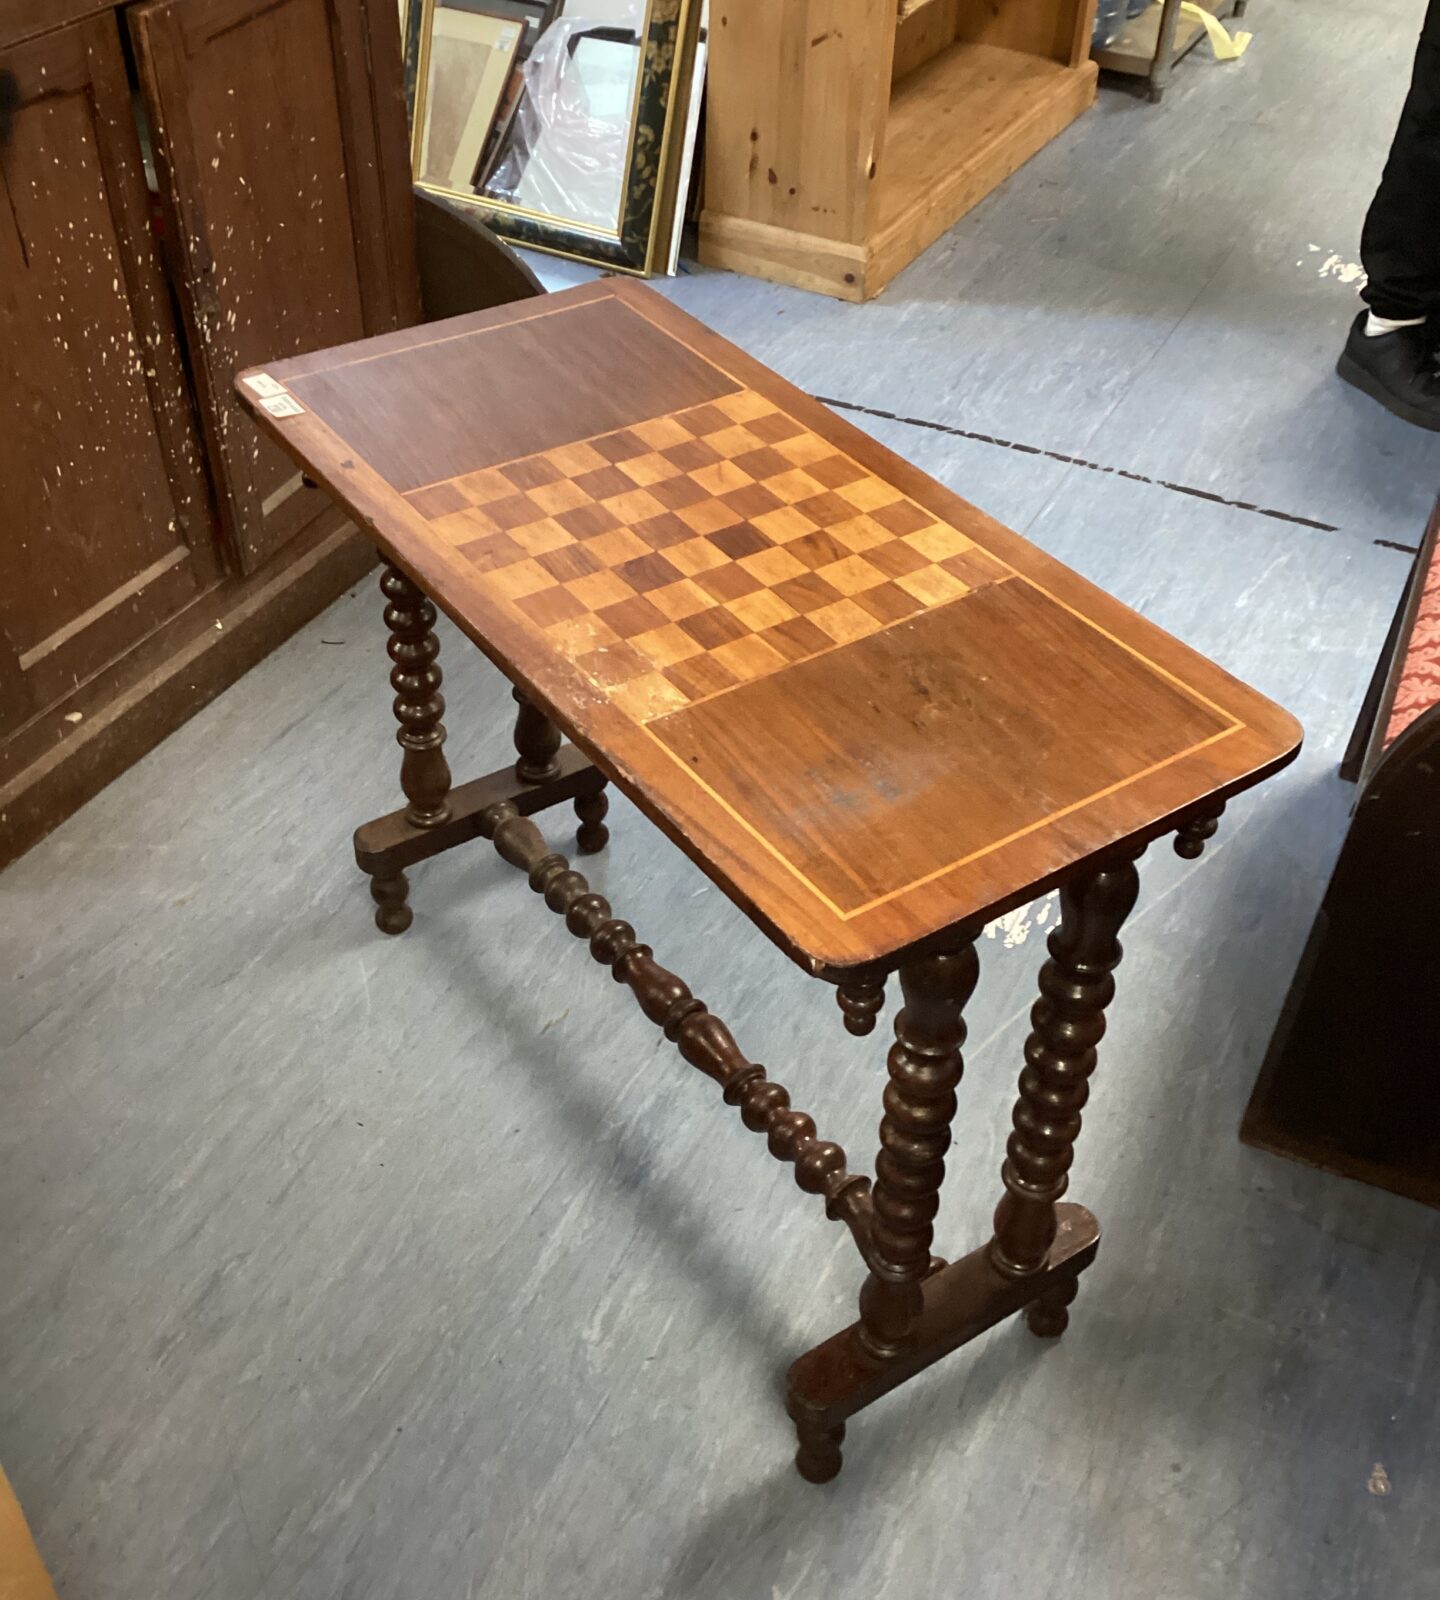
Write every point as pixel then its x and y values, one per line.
pixel 925 1066
pixel 537 740
pixel 915 1308
pixel 1067 1023
pixel 419 706
pixel 537 743
pixel 592 835
pixel 439 817
pixel 885 1346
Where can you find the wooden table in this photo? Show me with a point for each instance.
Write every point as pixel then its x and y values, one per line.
pixel 873 716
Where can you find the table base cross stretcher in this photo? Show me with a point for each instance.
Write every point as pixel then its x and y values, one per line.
pixel 870 714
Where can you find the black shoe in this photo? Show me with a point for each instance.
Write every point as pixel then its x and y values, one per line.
pixel 1398 369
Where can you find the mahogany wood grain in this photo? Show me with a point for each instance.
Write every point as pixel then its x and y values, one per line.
pixel 542 386
pixel 869 713
pixel 866 709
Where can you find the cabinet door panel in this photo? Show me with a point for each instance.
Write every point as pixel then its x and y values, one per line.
pixel 254 134
pixel 107 528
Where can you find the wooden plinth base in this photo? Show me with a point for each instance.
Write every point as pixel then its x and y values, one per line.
pixel 958 126
pixel 830 1383
pixel 389 844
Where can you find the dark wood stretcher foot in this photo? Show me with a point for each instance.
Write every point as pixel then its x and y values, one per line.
pixel 830 1383
pixel 389 844
pixel 1048 1316
pixel 439 817
pixel 914 1308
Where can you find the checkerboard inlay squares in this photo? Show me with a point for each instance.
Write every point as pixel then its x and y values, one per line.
pixel 679 557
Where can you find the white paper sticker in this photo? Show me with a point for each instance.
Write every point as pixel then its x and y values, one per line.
pixel 263 383
pixel 283 405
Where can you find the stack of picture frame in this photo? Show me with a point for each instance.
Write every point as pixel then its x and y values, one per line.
pixel 568 125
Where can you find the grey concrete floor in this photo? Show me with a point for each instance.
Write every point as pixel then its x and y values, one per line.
pixel 342 1266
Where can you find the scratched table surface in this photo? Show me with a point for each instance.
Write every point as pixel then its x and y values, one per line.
pixel 865 708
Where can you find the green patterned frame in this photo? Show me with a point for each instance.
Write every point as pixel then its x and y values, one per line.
pixel 652 177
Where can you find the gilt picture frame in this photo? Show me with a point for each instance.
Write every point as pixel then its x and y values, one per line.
pixel 638 241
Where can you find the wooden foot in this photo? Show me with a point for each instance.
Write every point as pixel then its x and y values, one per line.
pixel 837 1379
pixel 392 914
pixel 1048 1317
pixel 818 1458
pixel 592 834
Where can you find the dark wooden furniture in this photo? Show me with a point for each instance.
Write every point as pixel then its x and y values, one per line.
pixel 1350 1082
pixel 1406 680
pixel 193 185
pixel 869 713
pixel 463 265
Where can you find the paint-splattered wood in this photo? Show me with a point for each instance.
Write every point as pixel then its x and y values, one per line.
pixel 867 710
pixel 286 236
pixel 22 19
pixel 106 532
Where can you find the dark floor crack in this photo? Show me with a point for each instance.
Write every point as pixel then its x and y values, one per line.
pixel 1094 466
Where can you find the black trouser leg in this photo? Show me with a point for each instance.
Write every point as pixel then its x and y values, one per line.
pixel 1400 247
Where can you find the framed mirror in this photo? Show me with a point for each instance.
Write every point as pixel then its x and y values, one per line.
pixel 566 123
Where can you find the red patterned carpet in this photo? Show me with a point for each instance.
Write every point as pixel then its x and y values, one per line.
pixel 1419 686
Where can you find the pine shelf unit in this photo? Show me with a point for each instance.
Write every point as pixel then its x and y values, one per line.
pixel 844 136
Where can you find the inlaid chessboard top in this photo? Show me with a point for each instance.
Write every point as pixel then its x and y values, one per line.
pixel 687 554
pixel 867 710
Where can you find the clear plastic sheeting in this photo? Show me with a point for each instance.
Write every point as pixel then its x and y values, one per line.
pixel 569 151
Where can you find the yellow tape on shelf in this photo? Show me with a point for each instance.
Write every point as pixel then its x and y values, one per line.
pixel 1225 47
